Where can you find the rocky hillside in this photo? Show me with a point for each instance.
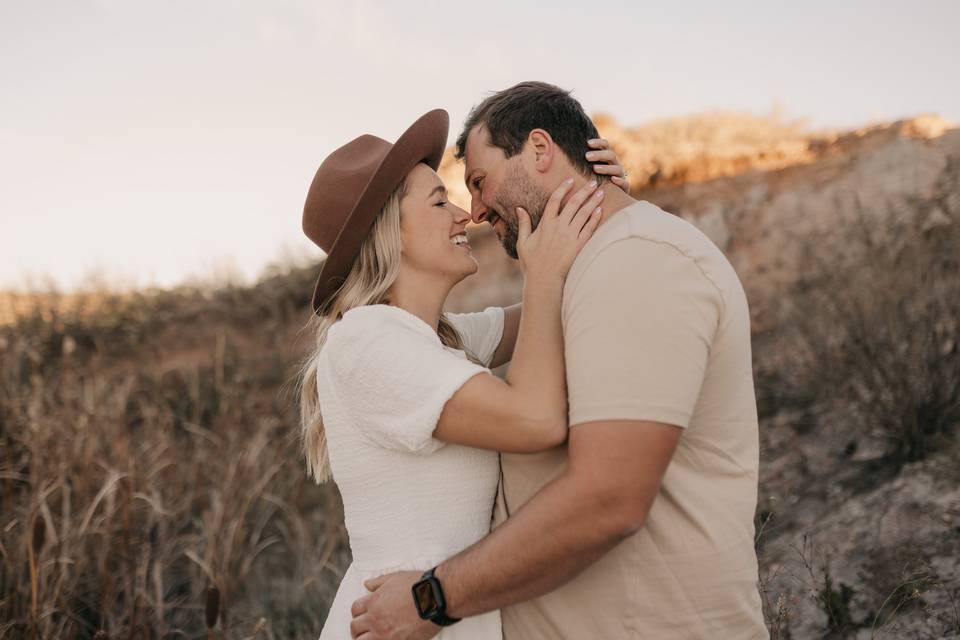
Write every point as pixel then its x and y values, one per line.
pixel 758 187
pixel 856 540
pixel 149 449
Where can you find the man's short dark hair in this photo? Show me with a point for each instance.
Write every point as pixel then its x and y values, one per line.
pixel 510 115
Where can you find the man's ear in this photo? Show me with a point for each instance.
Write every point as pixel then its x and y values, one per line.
pixel 543 148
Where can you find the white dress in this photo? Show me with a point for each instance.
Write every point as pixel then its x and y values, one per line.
pixel 410 501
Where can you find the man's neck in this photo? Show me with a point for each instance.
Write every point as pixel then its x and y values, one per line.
pixel 614 198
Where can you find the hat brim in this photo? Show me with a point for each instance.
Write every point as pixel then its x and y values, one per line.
pixel 424 141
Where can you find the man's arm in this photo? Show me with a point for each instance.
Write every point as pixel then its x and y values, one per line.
pixel 630 399
pixel 613 476
pixel 614 473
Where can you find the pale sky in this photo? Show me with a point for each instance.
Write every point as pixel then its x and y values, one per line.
pixel 154 141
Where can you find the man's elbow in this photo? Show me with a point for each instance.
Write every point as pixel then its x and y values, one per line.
pixel 618 513
pixel 631 524
pixel 626 522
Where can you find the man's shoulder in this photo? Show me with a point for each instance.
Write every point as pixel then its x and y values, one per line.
pixel 640 228
pixel 643 244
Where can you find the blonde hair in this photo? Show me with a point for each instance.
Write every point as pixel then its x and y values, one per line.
pixel 371 276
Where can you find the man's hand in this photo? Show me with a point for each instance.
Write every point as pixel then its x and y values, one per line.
pixel 389 613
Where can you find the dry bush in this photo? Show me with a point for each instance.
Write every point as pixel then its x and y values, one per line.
pixel 706 146
pixel 873 331
pixel 860 377
pixel 694 148
pixel 885 340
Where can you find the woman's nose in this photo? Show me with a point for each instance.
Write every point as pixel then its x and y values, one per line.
pixel 460 215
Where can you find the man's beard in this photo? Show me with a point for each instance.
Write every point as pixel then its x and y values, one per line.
pixel 519 190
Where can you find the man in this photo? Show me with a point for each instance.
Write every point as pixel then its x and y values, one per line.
pixel 642 525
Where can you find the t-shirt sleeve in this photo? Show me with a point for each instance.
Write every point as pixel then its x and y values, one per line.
pixel 481 332
pixel 639 324
pixel 393 380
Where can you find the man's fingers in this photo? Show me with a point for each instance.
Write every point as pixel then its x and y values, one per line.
pixel 359 626
pixel 360 606
pixel 375 583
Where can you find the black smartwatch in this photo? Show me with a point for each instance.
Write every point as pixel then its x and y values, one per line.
pixel 430 602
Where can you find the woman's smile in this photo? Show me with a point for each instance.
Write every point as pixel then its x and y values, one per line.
pixel 460 240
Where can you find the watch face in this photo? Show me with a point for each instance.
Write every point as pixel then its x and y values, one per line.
pixel 426 598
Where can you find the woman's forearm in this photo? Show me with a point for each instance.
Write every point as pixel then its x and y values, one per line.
pixel 537 369
pixel 525 412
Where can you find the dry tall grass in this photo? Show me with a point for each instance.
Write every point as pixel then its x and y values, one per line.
pixel 131 487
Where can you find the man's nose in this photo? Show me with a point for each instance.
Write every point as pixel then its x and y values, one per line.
pixel 460 216
pixel 478 212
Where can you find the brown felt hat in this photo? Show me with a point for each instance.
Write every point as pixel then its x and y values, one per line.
pixel 351 187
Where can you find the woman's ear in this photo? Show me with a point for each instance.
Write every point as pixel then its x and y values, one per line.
pixel 543 149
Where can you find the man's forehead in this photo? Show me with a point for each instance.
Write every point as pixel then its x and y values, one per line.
pixel 478 142
pixel 470 148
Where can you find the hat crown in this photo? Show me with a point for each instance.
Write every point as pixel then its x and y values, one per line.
pixel 351 186
pixel 338 183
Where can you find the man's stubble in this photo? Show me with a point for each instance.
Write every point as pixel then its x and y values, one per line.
pixel 519 190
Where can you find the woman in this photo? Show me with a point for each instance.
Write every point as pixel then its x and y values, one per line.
pixel 397 400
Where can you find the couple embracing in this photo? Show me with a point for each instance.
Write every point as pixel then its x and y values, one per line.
pixel 606 487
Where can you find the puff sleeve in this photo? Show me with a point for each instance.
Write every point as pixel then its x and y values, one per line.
pixel 393 377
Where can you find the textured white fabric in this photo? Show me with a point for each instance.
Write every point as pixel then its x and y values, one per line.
pixel 410 501
pixel 481 331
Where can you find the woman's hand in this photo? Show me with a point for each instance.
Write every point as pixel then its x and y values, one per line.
pixel 549 252
pixel 606 163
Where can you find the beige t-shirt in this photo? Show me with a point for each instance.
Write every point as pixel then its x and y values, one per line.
pixel 656 328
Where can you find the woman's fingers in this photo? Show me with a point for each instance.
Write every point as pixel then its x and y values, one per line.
pixel 608 156
pixel 579 208
pixel 585 211
pixel 578 199
pixel 552 209
pixel 589 227
pixel 605 162
pixel 608 169
pixel 524 224
pixel 598 143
